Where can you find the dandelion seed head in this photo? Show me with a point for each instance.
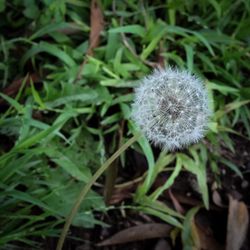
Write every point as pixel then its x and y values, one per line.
pixel 171 108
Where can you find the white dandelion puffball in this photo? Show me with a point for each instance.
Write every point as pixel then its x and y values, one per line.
pixel 171 108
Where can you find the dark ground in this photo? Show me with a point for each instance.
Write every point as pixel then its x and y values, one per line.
pixel 212 223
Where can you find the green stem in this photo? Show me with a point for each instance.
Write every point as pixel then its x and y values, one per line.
pixel 87 187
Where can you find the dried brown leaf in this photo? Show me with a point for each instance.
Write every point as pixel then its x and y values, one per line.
pixel 217 199
pixel 96 27
pixel 97 24
pixel 137 233
pixel 177 205
pixel 16 84
pixel 237 224
pixel 13 88
pixel 203 238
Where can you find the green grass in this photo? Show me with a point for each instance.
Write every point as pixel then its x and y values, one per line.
pixel 58 130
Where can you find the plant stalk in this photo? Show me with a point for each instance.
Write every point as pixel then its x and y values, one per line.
pixel 88 186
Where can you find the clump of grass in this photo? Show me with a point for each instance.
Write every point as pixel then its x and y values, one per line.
pixel 54 129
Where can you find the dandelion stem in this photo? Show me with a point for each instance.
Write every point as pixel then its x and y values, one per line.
pixel 88 186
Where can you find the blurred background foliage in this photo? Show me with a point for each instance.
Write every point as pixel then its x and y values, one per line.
pixel 66 102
